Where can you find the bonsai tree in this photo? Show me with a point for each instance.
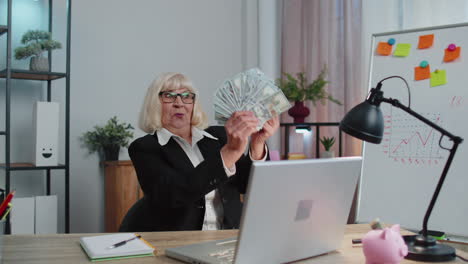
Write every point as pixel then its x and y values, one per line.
pixel 327 142
pixel 109 138
pixel 299 89
pixel 36 42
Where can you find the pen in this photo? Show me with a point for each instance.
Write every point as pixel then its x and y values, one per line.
pixel 405 237
pixel 121 243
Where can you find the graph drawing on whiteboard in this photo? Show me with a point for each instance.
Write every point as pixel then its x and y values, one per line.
pixel 411 142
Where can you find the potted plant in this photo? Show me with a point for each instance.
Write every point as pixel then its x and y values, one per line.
pixel 36 42
pixel 109 138
pixel 327 143
pixel 298 89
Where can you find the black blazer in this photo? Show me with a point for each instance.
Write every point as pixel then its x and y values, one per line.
pixel 175 191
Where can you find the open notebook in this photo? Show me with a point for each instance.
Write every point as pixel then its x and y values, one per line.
pixel 97 247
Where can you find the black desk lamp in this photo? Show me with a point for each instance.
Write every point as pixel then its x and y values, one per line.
pixel 365 121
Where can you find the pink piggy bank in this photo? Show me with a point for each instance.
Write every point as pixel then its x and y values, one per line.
pixel 384 246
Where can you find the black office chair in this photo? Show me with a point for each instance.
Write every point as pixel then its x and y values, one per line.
pixel 132 221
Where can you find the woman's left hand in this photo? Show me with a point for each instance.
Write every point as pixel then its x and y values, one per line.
pixel 258 139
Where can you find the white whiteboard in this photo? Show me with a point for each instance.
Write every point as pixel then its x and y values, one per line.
pixel 399 175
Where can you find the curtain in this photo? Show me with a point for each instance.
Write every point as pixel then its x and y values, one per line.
pixel 316 33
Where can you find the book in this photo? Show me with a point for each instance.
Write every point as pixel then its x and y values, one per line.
pixel 98 247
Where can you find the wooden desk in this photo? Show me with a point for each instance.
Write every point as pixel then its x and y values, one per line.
pixel 65 248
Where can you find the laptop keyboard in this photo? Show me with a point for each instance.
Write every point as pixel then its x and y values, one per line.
pixel 225 255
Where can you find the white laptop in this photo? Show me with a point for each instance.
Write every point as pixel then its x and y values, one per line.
pixel 293 210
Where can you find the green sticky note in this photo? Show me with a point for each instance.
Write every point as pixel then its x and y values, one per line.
pixel 402 50
pixel 438 77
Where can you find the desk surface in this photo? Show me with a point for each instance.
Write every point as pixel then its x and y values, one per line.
pixel 65 248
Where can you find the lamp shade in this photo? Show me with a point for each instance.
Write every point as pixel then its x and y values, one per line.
pixel 365 121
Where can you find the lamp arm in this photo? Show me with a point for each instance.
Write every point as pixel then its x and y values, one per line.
pixel 439 186
pixel 456 141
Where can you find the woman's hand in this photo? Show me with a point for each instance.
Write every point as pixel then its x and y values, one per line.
pixel 257 144
pixel 238 129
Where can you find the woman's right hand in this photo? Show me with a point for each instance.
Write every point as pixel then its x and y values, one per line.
pixel 239 127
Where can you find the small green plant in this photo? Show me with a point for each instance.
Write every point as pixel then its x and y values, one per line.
pixel 327 142
pixel 36 42
pixel 108 136
pixel 299 89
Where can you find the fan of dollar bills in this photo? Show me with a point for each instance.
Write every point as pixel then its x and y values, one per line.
pixel 249 91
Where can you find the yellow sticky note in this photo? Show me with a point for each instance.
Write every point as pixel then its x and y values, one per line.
pixel 402 50
pixel 438 77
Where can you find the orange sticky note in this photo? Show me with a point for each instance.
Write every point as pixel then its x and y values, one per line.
pixel 426 41
pixel 452 55
pixel 384 49
pixel 421 73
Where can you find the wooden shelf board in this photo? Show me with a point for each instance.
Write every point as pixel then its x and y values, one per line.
pixel 117 163
pixel 32 75
pixel 30 166
pixel 311 124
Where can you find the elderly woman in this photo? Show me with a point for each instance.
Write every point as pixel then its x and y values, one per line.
pixel 191 176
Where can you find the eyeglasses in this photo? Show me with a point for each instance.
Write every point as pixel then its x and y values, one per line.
pixel 170 97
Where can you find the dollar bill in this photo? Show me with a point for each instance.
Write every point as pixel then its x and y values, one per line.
pixel 252 91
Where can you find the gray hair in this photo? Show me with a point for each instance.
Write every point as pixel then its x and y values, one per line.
pixel 150 114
